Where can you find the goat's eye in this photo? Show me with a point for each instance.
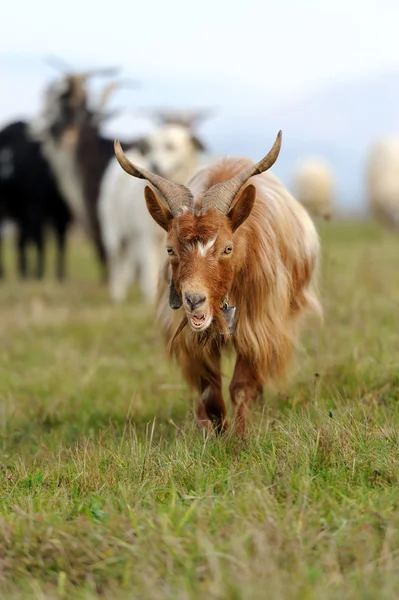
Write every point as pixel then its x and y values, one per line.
pixel 170 251
pixel 228 249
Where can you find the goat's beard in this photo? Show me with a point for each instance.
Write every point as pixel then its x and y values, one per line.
pixel 218 329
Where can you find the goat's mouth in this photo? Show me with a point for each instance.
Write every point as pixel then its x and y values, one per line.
pixel 199 321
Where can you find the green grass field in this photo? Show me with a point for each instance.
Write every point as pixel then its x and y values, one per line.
pixel 108 491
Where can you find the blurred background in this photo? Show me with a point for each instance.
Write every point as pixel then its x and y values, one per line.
pixel 326 73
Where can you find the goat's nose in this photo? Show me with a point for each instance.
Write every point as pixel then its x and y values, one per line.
pixel 194 300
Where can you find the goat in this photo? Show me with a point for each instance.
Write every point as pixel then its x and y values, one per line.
pixel 77 153
pixel 133 243
pixel 314 187
pixel 382 179
pixel 237 242
pixel 29 196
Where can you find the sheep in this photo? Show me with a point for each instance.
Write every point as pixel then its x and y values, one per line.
pixel 382 180
pixel 133 243
pixel 29 196
pixel 238 245
pixel 314 187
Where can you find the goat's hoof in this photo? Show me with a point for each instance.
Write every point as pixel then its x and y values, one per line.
pixel 204 425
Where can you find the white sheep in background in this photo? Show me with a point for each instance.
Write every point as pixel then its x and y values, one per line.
pixel 134 245
pixel 314 187
pixel 382 180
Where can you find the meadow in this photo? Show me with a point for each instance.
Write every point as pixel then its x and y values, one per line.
pixel 107 490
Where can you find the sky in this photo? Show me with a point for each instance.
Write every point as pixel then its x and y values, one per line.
pixel 242 58
pixel 271 49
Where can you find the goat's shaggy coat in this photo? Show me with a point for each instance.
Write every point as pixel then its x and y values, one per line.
pixel 261 253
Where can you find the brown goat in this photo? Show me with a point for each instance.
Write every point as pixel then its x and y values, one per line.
pixel 235 237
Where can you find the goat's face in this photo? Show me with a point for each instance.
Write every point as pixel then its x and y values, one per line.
pixel 171 149
pixel 202 257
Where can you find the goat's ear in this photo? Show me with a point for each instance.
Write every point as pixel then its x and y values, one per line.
pixel 157 210
pixel 198 145
pixel 242 207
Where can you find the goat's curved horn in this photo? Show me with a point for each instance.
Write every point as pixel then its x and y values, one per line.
pixel 221 195
pixel 111 87
pixel 175 195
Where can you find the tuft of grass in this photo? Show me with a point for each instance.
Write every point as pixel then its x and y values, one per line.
pixel 108 491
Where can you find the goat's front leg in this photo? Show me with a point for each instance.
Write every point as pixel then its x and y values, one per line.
pixel 211 409
pixel 61 234
pixel 245 387
pixel 206 377
pixel 39 243
pixel 22 260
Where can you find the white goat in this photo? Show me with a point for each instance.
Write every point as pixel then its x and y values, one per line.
pixel 314 187
pixel 382 180
pixel 134 245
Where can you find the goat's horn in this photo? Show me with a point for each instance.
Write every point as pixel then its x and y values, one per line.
pixel 221 195
pixel 111 87
pixel 175 195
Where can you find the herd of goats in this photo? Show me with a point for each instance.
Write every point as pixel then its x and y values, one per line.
pixel 221 247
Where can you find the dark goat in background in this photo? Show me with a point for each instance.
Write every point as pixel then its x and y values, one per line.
pixel 29 196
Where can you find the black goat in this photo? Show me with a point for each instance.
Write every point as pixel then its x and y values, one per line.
pixel 29 196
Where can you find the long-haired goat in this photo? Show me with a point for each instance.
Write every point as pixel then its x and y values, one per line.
pixel 237 239
pixel 30 197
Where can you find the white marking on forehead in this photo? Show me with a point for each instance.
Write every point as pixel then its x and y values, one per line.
pixel 203 248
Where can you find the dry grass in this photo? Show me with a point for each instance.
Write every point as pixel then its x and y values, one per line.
pixel 108 491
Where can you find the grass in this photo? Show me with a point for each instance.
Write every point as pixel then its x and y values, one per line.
pixel 108 491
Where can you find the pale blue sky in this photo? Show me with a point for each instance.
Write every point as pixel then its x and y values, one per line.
pixel 273 48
